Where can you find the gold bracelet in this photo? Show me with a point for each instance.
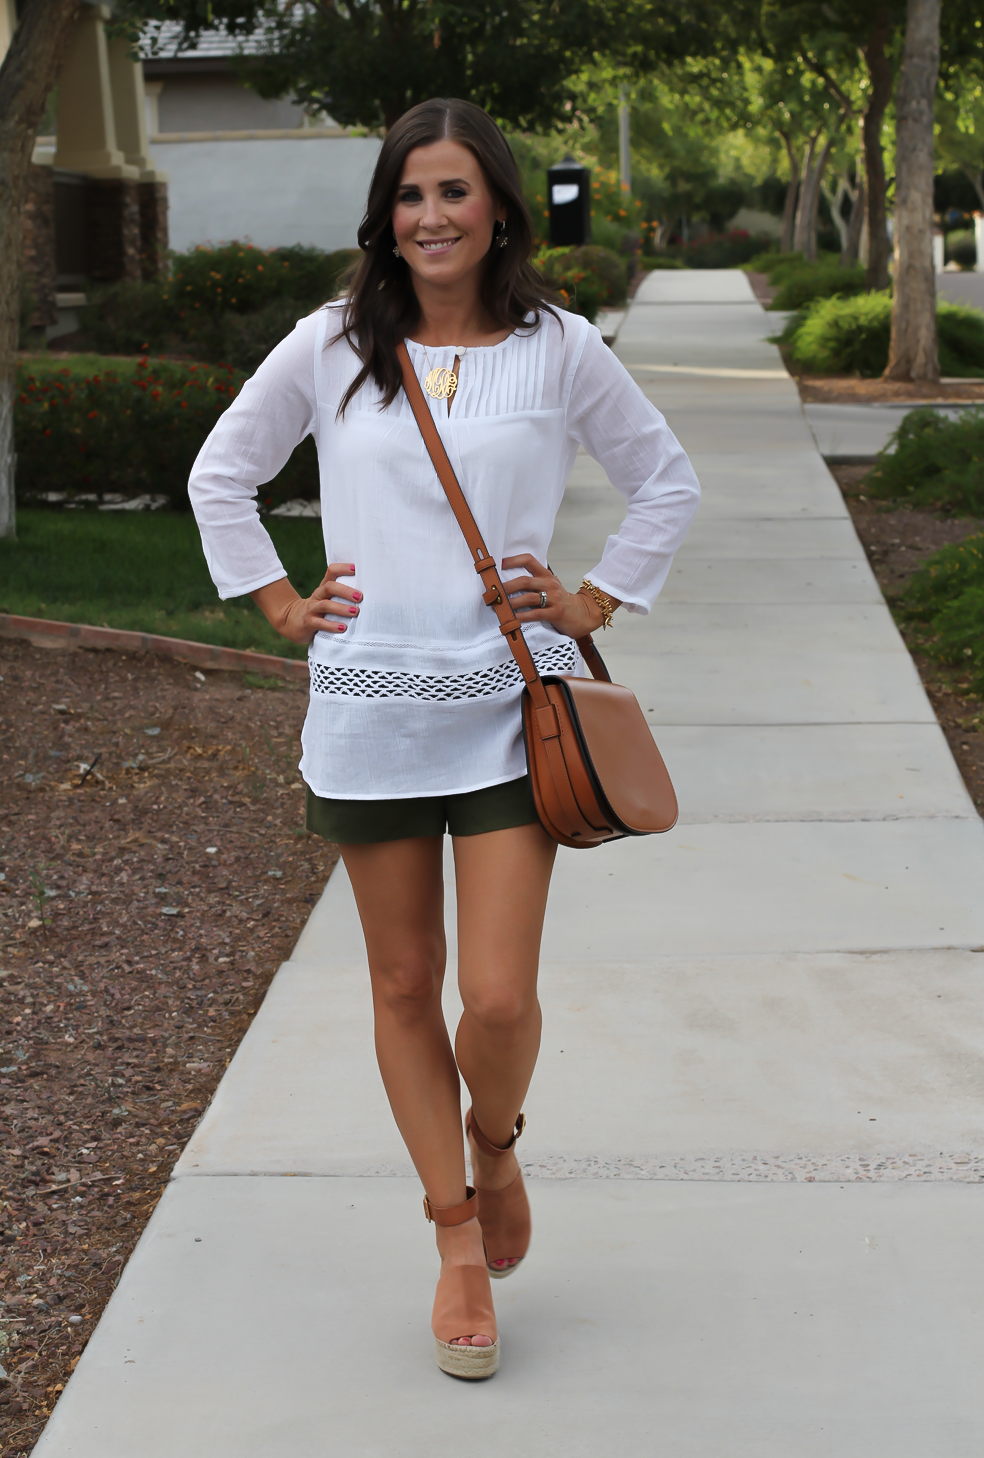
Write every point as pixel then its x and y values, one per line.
pixel 602 599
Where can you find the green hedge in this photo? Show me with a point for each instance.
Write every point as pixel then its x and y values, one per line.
pixel 801 286
pixel 946 596
pixel 851 336
pixel 936 462
pixel 132 429
pixel 719 250
pixel 231 303
pixel 588 278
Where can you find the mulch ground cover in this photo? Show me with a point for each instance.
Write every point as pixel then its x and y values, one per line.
pixel 154 872
pixel 897 541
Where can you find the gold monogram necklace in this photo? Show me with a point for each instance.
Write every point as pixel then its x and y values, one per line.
pixel 441 383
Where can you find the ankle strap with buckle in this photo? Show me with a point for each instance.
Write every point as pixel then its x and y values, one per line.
pixel 471 1127
pixel 453 1214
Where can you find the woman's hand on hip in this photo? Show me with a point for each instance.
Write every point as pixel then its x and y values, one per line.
pixel 331 605
pixel 572 613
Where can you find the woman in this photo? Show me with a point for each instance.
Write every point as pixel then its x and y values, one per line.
pixel 414 719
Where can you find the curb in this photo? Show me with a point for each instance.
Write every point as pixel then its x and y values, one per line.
pixel 47 634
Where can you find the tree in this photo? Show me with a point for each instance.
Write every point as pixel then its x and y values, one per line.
pixel 366 62
pixel 26 78
pixel 960 118
pixel 849 45
pixel 913 349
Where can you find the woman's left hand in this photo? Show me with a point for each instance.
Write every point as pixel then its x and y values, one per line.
pixel 571 613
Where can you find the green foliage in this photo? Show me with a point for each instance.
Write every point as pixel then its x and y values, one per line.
pixel 851 336
pixel 961 247
pixel 811 281
pixel 723 250
pixel 587 279
pixel 133 432
pixel 936 462
pixel 649 261
pixel 947 595
pixel 145 572
pixel 366 64
pixel 200 308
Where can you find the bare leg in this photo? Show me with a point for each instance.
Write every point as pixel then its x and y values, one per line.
pixel 399 890
pixel 502 882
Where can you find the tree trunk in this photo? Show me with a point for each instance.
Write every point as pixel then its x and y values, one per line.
pixel 801 231
pixel 789 209
pixel 880 75
pixel 849 257
pixel 817 183
pixel 835 201
pixel 27 77
pixel 913 351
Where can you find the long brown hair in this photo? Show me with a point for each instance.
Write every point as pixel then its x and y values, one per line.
pixel 381 307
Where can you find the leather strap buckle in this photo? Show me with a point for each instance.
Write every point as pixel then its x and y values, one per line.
pixel 511 627
pixel 493 597
pixel 484 563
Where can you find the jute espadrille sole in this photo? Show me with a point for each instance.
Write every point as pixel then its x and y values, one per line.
pixel 471 1362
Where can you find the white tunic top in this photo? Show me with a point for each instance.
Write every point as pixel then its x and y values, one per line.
pixel 420 696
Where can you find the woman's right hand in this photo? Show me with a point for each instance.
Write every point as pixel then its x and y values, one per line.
pixel 327 610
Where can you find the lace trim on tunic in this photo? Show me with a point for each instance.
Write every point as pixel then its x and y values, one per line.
pixel 369 683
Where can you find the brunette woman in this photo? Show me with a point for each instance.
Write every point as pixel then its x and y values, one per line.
pixel 413 728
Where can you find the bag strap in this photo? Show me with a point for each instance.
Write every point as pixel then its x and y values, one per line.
pixel 484 563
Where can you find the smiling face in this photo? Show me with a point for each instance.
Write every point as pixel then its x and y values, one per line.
pixel 445 213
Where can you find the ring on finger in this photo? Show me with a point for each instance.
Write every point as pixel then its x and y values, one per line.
pixel 543 599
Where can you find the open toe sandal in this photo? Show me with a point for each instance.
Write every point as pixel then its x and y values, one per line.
pixel 463 1304
pixel 505 1213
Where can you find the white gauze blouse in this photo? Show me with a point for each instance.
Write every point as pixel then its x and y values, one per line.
pixel 420 696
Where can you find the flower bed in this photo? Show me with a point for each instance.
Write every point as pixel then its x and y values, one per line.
pixel 587 279
pixel 132 431
pixel 202 305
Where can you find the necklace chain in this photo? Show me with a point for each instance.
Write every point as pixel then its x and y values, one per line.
pixel 442 382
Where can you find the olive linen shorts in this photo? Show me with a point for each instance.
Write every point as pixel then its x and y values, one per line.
pixel 365 822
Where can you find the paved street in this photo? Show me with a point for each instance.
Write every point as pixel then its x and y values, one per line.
pixel 755 1131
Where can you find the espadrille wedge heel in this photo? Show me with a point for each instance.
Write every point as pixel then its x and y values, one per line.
pixel 505 1213
pixel 463 1304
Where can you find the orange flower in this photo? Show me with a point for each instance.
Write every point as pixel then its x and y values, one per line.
pixel 93 414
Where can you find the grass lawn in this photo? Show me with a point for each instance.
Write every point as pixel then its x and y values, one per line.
pixel 85 365
pixel 144 571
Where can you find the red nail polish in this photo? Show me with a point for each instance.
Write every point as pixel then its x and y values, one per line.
pixel 340 628
pixel 353 609
pixel 358 597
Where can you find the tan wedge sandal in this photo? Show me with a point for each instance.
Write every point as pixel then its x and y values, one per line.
pixel 505 1213
pixel 463 1303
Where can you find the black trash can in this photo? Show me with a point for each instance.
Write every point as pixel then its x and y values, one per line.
pixel 569 192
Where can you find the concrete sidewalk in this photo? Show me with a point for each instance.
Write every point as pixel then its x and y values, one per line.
pixel 755 1130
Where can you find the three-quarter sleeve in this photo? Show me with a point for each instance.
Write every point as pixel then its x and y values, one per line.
pixel 608 414
pixel 251 443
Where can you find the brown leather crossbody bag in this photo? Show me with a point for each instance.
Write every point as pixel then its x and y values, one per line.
pixel 594 768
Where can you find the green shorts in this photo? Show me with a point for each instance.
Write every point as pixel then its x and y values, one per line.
pixel 364 822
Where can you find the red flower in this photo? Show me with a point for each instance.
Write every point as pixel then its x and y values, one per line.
pixel 93 414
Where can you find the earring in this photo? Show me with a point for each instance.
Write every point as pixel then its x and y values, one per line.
pixel 504 237
pixel 396 252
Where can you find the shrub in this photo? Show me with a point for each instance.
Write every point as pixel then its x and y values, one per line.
pixel 130 432
pixel 851 336
pixel 961 247
pixel 937 462
pixel 721 250
pixel 811 281
pixel 947 595
pixel 649 261
pixel 587 278
pixel 207 287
